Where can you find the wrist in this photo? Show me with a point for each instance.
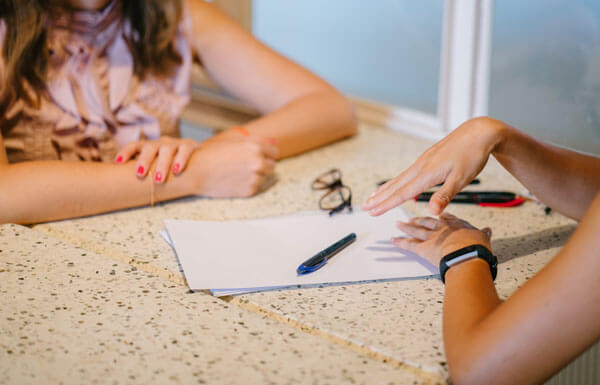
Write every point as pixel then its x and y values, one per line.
pixel 466 255
pixel 494 131
pixel 463 239
pixel 476 267
pixel 193 177
pixel 451 248
pixel 502 133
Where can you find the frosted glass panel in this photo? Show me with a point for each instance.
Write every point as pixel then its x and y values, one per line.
pixel 384 50
pixel 545 74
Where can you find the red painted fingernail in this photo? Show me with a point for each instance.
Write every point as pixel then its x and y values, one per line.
pixel 158 177
pixel 140 170
pixel 119 159
pixel 176 168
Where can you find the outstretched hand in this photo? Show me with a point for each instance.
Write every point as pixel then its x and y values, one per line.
pixel 454 161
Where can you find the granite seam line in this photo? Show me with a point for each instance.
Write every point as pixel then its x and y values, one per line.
pixel 429 377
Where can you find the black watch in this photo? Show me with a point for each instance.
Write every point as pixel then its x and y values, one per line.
pixel 468 253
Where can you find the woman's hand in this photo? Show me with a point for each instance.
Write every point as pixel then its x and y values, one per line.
pixel 454 161
pixel 232 169
pixel 168 152
pixel 433 238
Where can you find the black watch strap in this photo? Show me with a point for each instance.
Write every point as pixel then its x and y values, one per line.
pixel 466 254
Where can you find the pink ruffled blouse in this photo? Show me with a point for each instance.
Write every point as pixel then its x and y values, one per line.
pixel 96 102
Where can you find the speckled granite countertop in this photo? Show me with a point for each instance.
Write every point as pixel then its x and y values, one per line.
pixel 102 299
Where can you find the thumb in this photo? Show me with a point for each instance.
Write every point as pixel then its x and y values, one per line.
pixel 488 232
pixel 443 196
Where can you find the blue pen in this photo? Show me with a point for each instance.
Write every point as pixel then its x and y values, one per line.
pixel 320 259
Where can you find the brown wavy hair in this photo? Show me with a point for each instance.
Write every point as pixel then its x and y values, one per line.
pixel 25 52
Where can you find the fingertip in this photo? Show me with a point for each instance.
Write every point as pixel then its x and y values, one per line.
pixel 119 159
pixel 488 232
pixel 176 168
pixel 374 212
pixel 369 204
pixel 435 208
pixel 401 225
pixel 398 241
pixel 140 171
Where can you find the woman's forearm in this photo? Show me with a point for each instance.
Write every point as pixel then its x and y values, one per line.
pixel 301 111
pixel 50 190
pixel 565 180
pixel 42 191
pixel 307 123
pixel 470 296
pixel 544 325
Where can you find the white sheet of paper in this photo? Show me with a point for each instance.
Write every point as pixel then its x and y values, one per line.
pixel 233 257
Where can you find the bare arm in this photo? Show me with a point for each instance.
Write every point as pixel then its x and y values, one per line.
pixel 533 334
pixel 548 322
pixel 565 180
pixel 302 111
pixel 41 191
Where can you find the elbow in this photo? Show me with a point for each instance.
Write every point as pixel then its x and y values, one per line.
pixel 348 121
pixel 461 372
pixel 466 367
pixel 464 364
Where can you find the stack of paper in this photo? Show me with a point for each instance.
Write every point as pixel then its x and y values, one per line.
pixel 235 257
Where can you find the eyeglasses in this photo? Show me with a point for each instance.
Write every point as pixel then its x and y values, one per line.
pixel 338 195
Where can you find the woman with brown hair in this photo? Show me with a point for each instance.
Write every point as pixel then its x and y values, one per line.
pixel 91 91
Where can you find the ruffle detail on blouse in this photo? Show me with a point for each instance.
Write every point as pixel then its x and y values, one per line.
pixel 96 103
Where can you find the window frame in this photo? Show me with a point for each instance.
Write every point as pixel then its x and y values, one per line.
pixel 464 74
